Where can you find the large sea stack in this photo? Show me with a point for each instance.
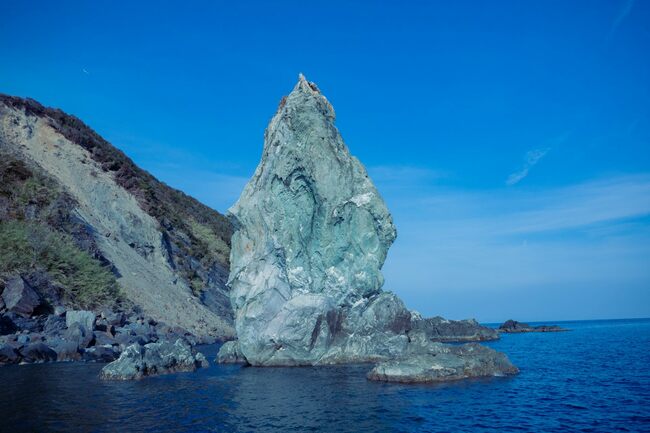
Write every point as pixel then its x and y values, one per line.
pixel 311 235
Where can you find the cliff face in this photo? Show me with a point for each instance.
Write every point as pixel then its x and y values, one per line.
pixel 168 252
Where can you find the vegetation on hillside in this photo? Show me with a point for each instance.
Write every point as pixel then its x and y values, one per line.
pixel 34 216
pixel 29 246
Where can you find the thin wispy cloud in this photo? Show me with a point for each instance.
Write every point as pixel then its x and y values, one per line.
pixel 470 251
pixel 620 17
pixel 532 158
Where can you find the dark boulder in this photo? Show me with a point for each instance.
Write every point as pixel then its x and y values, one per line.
pixel 113 318
pixel 104 339
pixel 19 297
pixel 8 355
pixel 66 350
pixel 43 282
pixel 38 352
pixel 144 330
pixel 27 324
pixel 125 339
pixel 54 325
pixel 7 326
pixel 78 334
pixel 100 354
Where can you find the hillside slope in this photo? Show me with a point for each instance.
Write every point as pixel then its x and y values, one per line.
pixel 167 251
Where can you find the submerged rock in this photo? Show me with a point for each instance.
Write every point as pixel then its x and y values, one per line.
pixel 514 327
pixel 444 363
pixel 442 330
pixel 311 236
pixel 137 361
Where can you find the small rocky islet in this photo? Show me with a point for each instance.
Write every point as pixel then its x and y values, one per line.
pixel 514 327
pixel 302 251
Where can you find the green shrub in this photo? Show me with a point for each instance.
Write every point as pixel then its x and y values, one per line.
pixel 215 245
pixel 27 246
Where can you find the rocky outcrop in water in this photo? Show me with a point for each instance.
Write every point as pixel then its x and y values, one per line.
pixel 137 362
pixel 440 363
pixel 441 330
pixel 311 235
pixel 514 327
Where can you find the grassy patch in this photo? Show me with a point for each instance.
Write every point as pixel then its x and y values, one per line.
pixel 215 244
pixel 26 246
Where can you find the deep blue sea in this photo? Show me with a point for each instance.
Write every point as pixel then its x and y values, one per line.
pixel 595 378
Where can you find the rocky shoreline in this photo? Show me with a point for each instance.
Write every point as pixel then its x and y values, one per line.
pixel 31 331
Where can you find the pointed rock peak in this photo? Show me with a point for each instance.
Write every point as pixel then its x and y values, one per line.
pixel 303 83
pixel 306 96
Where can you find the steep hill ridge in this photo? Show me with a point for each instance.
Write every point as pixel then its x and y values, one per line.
pixel 168 252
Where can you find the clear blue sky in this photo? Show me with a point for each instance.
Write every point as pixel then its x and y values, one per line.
pixel 511 139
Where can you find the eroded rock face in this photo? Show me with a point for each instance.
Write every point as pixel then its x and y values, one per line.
pixel 312 233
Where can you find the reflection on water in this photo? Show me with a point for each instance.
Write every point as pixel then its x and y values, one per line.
pixel 584 379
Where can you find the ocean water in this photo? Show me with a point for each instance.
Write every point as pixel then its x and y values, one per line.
pixel 595 378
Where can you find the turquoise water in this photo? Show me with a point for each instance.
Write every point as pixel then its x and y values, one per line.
pixel 595 378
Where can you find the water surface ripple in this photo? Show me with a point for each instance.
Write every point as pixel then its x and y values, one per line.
pixel 595 378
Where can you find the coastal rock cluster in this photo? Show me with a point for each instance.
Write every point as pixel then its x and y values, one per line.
pixel 311 235
pixel 32 331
